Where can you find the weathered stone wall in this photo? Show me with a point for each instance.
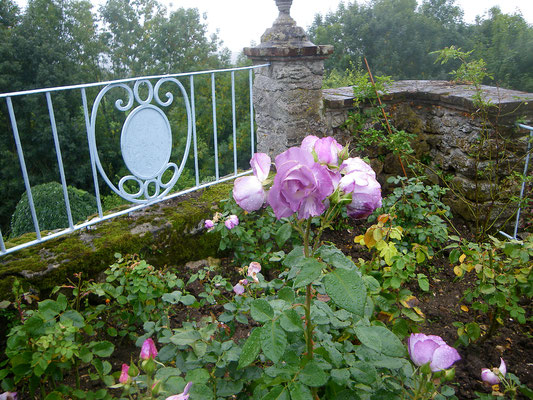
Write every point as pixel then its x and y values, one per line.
pixel 443 117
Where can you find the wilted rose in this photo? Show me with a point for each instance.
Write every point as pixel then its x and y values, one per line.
pixel 491 376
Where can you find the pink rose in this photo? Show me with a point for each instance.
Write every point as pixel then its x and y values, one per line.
pixel 326 149
pixel 248 193
pixel 238 288
pixel 231 222
pixel 148 349
pixel 124 377
pixel 301 185
pixel 431 349
pixel 253 269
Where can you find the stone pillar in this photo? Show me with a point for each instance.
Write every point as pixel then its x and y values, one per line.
pixel 288 93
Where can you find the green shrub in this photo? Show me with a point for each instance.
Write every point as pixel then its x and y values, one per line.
pixel 50 208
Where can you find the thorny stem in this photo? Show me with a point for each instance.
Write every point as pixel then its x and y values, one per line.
pixel 383 111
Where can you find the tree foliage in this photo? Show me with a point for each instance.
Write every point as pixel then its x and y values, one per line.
pixel 397 37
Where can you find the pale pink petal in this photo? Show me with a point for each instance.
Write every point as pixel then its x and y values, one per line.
pixel 260 164
pixel 248 193
pixel 490 377
pixel 503 367
pixel 443 358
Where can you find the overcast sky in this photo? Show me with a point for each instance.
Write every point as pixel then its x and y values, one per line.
pixel 240 22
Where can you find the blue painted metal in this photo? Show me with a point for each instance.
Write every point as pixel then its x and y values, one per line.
pixel 215 133
pixel 195 141
pixel 523 187
pixel 252 132
pixel 23 167
pixel 145 140
pixel 59 159
pixel 234 122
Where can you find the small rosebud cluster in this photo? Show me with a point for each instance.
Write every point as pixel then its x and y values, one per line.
pixel 252 270
pixel 129 375
pixel 231 222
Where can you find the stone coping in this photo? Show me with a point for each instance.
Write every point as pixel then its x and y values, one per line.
pixel 444 93
pixel 288 52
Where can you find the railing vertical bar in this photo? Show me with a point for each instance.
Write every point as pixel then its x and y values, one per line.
pixel 523 188
pixel 214 102
pixel 234 122
pixel 2 245
pixel 91 155
pixel 252 141
pixel 59 158
pixel 23 167
pixel 195 143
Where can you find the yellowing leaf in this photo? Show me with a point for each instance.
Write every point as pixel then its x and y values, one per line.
pixel 377 235
pixel 359 239
pixel 419 312
pixel 464 308
pixel 383 218
pixel 462 258
pixel 458 271
pixel 369 238
pixel 409 302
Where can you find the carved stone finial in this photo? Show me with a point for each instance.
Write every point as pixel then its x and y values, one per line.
pixel 284 7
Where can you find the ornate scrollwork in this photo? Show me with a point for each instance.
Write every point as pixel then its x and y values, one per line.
pixel 146 140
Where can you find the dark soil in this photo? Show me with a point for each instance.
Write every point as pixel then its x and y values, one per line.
pixel 441 305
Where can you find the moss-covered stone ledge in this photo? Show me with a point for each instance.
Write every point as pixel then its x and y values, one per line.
pixel 166 234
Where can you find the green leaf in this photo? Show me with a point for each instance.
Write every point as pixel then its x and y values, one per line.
pixel 251 349
pixel 49 309
pixel 454 256
pixel 277 393
pixel 335 257
pixel 300 392
pixel 364 373
pixel 313 375
pixel 423 282
pixel 185 338
pixel 198 375
pixel 290 321
pixel 77 319
pixel 286 294
pixel 381 340
pixel 273 341
pixel 188 300
pixel 295 258
pixel 228 388
pixel 103 348
pixel 310 271
pixel 261 311
pixel 172 298
pixel 347 290
pixel 283 234
pixel 340 376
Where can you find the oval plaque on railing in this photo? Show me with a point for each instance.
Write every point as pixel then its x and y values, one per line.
pixel 146 141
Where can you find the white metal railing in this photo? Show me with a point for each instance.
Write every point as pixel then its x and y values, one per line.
pixel 145 142
pixel 523 187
